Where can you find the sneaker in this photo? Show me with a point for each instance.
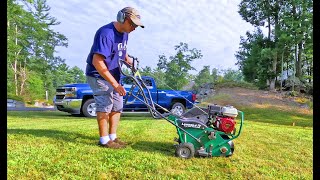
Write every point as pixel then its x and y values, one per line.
pixel 117 140
pixel 112 145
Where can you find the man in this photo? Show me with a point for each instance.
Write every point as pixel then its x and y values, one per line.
pixel 103 73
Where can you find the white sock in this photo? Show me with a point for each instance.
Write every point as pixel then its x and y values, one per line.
pixel 112 136
pixel 104 139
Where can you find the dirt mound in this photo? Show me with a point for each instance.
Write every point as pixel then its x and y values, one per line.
pixel 239 97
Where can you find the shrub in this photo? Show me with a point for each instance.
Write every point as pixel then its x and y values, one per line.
pixel 304 100
pixel 15 97
pixel 301 100
pixel 292 93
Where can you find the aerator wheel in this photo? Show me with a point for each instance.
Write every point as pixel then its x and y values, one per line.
pixel 185 150
pixel 231 146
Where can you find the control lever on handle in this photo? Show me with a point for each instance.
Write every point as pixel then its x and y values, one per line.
pixel 135 63
pixel 121 62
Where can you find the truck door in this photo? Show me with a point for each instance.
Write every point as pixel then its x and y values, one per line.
pixel 133 103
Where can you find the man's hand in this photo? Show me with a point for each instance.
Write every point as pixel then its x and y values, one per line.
pixel 121 90
pixel 129 60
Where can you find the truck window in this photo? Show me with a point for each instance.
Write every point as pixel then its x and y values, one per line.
pixel 127 82
pixel 148 83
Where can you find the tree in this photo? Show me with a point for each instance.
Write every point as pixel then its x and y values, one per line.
pixel 31 46
pixel 176 68
pixel 253 59
pixel 146 71
pixel 159 76
pixel 298 22
pixel 76 75
pixel 45 40
pixel 214 75
pixel 34 87
pixel 203 77
pixel 289 40
pixel 257 12
pixel 232 75
pixel 19 26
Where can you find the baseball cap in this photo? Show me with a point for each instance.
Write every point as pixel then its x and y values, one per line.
pixel 134 15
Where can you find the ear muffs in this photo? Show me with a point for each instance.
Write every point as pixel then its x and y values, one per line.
pixel 121 17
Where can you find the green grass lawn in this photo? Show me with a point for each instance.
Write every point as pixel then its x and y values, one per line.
pixel 55 145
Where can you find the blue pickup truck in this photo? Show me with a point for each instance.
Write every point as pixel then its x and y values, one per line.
pixel 78 98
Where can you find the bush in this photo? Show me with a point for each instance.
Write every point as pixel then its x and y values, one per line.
pixel 304 100
pixel 15 97
pixel 292 93
pixel 30 102
pixel 301 100
pixel 34 87
pixel 309 88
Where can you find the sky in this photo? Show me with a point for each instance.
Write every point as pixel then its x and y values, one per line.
pixel 212 26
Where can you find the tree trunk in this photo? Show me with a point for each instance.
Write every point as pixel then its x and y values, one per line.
pixel 272 84
pixel 294 65
pixel 281 71
pixel 299 62
pixel 23 75
pixel 275 58
pixel 269 28
pixel 15 64
pixel 310 70
pixel 273 79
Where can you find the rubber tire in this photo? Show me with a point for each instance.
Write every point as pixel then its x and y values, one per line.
pixel 182 148
pixel 178 104
pixel 85 106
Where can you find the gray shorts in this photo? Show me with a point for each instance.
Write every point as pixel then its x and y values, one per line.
pixel 107 100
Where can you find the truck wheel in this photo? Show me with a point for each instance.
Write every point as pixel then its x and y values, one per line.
pixel 89 108
pixel 178 109
pixel 185 150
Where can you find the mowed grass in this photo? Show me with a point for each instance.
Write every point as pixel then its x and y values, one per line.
pixel 55 145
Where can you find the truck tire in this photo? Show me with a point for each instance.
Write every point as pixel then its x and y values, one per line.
pixel 178 109
pixel 89 108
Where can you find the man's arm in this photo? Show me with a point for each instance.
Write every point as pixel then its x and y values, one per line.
pixel 98 63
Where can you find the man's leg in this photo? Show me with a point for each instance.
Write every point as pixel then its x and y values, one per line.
pixel 102 119
pixel 114 118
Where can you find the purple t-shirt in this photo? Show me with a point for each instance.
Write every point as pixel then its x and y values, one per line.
pixel 112 45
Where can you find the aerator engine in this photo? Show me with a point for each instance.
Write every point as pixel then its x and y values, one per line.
pixel 223 117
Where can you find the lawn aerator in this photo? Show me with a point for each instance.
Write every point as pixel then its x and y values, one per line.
pixel 202 132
